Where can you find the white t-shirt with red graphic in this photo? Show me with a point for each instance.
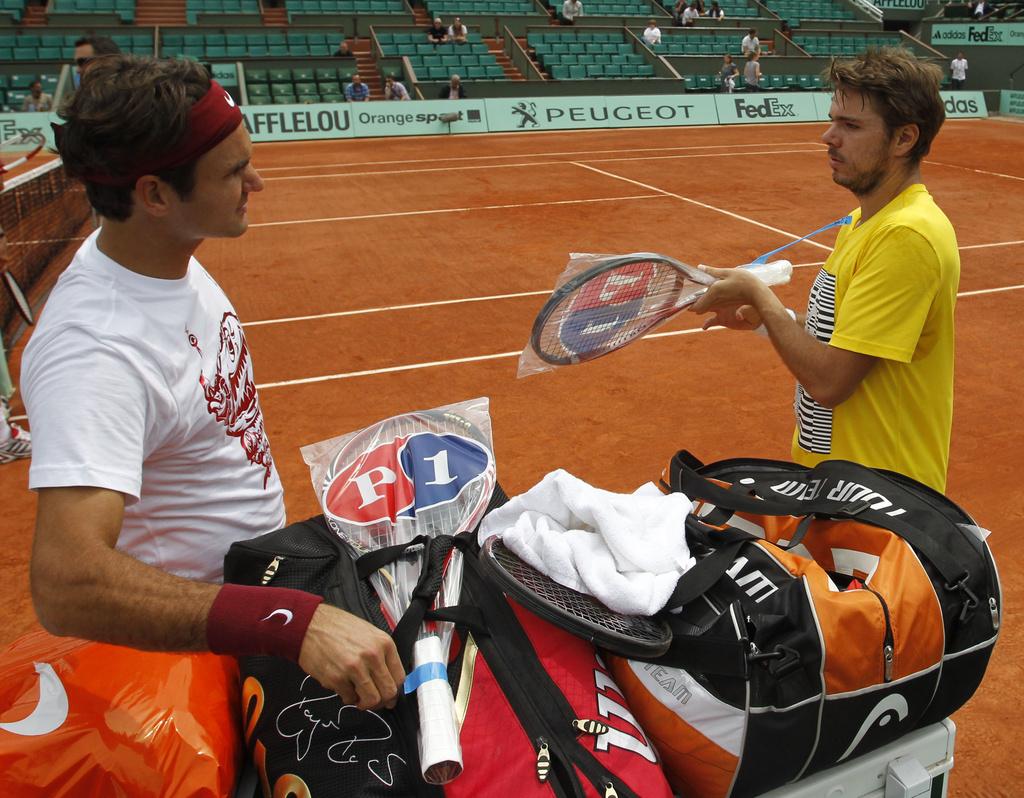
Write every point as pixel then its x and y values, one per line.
pixel 146 387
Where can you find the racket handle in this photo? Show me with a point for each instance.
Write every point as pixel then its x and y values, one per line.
pixel 440 751
pixel 777 272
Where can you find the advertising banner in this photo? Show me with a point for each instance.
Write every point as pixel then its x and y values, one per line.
pixel 577 113
pixel 964 104
pixel 423 118
pixel 298 122
pixel 1011 102
pixel 744 108
pixel 979 34
pixel 39 122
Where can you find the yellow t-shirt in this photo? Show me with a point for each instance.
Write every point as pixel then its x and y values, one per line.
pixel 888 290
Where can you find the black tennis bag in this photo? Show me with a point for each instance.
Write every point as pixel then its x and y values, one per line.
pixel 832 610
pixel 519 684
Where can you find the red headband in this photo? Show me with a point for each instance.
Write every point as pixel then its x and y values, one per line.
pixel 210 121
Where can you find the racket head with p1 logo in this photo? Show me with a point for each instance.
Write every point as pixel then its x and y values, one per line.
pixel 621 299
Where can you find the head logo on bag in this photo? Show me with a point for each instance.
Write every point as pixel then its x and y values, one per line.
pixel 403 477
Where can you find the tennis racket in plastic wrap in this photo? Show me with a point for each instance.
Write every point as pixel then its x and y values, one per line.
pixel 27 144
pixel 619 300
pixel 425 473
pixel 577 613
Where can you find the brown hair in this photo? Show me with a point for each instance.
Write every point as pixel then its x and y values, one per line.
pixel 126 111
pixel 904 90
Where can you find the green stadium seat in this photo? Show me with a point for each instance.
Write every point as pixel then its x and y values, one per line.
pixel 303 75
pixel 280 76
pixel 258 90
pixel 577 72
pixel 255 76
pixel 331 87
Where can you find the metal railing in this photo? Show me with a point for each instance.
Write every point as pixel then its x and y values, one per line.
pixel 869 8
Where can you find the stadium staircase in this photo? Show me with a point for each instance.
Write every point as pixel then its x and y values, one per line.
pixel 34 15
pixel 276 15
pixel 160 12
pixel 494 48
pixel 367 68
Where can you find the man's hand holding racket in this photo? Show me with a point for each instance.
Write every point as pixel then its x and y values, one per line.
pixel 352 657
pixel 738 299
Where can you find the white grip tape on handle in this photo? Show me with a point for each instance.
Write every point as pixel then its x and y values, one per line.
pixel 439 730
pixel 777 272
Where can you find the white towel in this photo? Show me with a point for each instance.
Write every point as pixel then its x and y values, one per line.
pixel 626 550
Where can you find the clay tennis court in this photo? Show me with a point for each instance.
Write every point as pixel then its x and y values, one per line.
pixel 381 276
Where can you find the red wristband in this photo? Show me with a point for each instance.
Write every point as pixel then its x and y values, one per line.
pixel 245 621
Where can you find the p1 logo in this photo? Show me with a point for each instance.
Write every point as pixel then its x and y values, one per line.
pixel 403 477
pixel 604 306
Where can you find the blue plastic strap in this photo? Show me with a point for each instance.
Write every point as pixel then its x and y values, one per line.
pixel 426 672
pixel 836 223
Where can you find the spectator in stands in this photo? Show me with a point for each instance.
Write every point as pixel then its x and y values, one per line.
pixel 357 91
pixel 571 11
pixel 15 443
pixel 89 47
pixel 752 71
pixel 437 33
pixel 343 50
pixel 394 90
pixel 981 9
pixel 958 71
pixel 457 32
pixel 652 33
pixel 677 11
pixel 728 73
pixel 691 15
pixel 750 43
pixel 715 12
pixel 701 10
pixel 162 459
pixel 37 99
pixel 454 90
pixel 785 30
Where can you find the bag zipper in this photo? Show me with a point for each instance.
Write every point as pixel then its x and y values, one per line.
pixel 888 646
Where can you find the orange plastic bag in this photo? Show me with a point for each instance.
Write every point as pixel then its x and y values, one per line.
pixel 81 719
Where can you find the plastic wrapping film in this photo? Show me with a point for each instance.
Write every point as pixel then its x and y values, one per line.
pixel 634 295
pixel 89 720
pixel 427 473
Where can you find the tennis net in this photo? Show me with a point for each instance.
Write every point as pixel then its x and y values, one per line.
pixel 45 215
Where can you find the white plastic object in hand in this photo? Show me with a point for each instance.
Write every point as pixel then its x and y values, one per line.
pixel 777 272
pixel 440 751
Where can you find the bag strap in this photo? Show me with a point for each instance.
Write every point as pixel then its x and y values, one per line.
pixel 685 478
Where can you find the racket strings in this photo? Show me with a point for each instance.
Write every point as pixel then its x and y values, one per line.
pixel 568 601
pixel 612 308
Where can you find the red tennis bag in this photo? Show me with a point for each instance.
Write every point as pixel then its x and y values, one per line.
pixel 832 611
pixel 519 684
pixel 89 720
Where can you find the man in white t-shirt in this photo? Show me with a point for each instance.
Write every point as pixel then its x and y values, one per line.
pixel 652 33
pixel 750 43
pixel 690 15
pixel 958 71
pixel 154 456
pixel 571 10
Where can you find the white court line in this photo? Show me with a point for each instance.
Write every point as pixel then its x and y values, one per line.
pixel 997 244
pixel 977 171
pixel 518 295
pixel 331 175
pixel 703 205
pixel 454 210
pixel 500 355
pixel 573 154
pixel 433 304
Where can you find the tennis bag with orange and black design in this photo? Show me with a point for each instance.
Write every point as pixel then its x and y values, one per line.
pixel 832 610
pixel 540 713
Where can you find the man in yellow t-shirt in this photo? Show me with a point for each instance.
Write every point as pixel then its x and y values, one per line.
pixel 873 357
